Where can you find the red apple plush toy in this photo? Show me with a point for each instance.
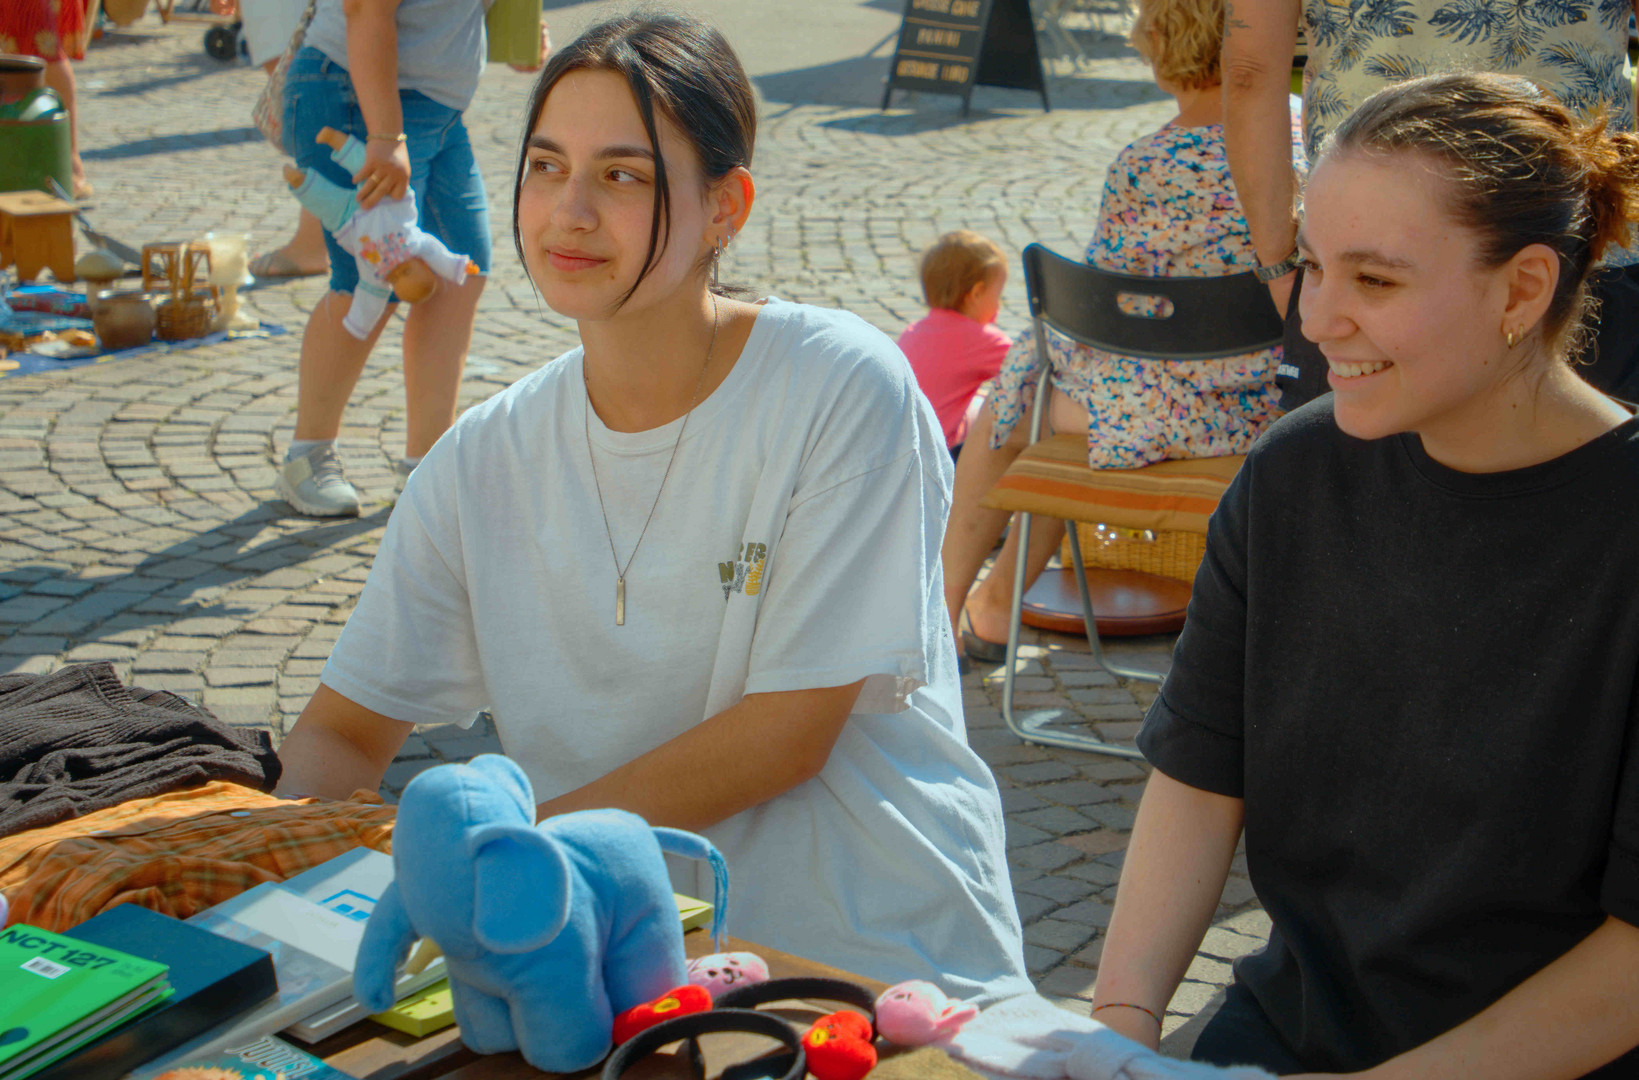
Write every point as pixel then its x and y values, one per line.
pixel 679 1001
pixel 839 1047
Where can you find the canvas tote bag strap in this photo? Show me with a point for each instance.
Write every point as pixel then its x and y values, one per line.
pixel 268 112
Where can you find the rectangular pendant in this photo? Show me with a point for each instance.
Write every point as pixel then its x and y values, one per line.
pixel 620 601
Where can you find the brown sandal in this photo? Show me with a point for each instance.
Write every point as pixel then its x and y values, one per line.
pixel 981 649
pixel 276 264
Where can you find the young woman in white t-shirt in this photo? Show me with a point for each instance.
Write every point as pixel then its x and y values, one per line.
pixel 692 567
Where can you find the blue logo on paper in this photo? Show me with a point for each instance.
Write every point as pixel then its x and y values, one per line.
pixel 350 904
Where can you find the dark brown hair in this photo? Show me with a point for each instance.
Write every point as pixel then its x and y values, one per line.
pixel 678 65
pixel 1520 170
pixel 957 262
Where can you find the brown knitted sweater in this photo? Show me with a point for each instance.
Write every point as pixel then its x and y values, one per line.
pixel 79 740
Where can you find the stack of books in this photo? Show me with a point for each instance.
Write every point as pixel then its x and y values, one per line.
pixel 57 994
pixel 312 925
pixel 212 981
pixel 350 885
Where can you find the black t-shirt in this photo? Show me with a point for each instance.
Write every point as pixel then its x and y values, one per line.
pixel 1422 682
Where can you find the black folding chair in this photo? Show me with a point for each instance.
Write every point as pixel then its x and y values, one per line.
pixel 1201 319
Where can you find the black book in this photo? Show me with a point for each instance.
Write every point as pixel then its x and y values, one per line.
pixel 214 979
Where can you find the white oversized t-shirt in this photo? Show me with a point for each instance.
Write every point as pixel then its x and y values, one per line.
pixel 795 546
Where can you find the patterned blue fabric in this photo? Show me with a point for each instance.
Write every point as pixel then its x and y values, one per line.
pixel 1574 49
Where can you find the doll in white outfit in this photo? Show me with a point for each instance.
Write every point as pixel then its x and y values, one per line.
pixel 394 255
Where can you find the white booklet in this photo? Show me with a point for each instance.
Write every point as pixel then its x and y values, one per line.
pixel 313 949
pixel 350 885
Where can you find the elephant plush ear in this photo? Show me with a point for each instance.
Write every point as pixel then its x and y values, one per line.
pixel 520 888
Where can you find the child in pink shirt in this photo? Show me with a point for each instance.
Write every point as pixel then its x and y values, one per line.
pixel 956 347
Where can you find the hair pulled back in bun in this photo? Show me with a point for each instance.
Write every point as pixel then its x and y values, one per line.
pixel 1522 170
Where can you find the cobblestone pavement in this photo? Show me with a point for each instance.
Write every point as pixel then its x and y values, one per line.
pixel 137 519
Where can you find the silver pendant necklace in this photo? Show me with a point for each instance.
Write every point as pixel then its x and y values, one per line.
pixel 620 571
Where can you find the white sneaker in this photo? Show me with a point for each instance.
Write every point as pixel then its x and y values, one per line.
pixel 313 483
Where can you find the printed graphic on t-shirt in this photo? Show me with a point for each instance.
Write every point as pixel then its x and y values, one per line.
pixel 744 573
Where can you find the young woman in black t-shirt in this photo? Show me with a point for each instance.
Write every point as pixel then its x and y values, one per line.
pixel 1409 667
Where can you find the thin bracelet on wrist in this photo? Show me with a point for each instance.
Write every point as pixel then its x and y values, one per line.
pixel 1129 1005
pixel 400 137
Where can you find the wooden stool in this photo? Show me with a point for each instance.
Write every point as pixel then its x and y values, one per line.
pixel 36 232
pixel 177 264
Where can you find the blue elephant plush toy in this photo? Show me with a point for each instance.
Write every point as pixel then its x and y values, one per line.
pixel 547 930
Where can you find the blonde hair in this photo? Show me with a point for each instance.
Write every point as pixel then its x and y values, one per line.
pixel 1181 40
pixel 957 262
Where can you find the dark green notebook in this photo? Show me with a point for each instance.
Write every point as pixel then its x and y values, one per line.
pixel 213 980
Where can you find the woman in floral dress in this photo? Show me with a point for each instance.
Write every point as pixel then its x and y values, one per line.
pixel 1169 210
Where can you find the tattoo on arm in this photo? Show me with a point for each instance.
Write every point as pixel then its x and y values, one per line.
pixel 1235 22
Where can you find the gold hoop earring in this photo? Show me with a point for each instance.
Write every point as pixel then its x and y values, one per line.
pixel 1510 336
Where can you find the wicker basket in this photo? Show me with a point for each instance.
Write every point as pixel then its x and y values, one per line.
pixel 1173 554
pixel 180 318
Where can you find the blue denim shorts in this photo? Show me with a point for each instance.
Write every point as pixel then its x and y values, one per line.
pixel 449 191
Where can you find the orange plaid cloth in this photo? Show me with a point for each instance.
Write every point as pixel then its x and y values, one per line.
pixel 179 853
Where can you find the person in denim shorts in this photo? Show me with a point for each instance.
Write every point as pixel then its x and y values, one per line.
pixel 397 74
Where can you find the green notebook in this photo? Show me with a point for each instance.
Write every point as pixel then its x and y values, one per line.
pixel 429 1009
pixel 694 913
pixel 58 993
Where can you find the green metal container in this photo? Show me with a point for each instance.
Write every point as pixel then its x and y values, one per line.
pixel 514 31
pixel 34 142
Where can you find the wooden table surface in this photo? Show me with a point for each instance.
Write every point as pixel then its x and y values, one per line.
pixel 370 1051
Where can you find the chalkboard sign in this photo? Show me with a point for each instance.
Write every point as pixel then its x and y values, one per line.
pixel 951 46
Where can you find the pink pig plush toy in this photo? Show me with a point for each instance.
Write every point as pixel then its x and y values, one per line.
pixel 917 1013
pixel 724 971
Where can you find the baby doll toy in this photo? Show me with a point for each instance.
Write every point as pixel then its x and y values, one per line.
pixel 394 255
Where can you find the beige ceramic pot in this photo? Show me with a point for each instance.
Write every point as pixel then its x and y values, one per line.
pixel 123 320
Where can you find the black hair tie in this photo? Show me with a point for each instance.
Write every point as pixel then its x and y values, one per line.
pixel 716 1021
pixel 800 987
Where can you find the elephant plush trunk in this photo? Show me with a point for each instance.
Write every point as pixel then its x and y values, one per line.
pixel 386 942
